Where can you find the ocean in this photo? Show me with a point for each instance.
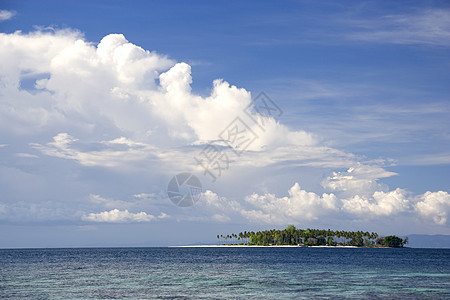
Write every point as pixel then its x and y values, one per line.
pixel 224 273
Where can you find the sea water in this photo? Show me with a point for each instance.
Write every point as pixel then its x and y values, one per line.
pixel 221 273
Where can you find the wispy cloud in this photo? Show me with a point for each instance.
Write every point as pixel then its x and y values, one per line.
pixel 108 203
pixel 26 155
pixel 112 156
pixel 6 15
pixel 428 159
pixel 427 27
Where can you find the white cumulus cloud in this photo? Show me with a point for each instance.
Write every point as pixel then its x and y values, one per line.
pixel 141 100
pixel 270 209
pixel 381 203
pixel 435 206
pixel 119 216
pixel 130 94
pixel 300 204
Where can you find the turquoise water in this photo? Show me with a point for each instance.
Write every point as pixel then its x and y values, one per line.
pixel 221 273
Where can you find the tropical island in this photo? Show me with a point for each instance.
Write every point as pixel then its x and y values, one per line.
pixel 291 236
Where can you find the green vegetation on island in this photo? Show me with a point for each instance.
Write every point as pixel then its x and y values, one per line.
pixel 311 237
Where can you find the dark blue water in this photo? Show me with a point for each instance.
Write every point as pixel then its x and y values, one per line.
pixel 218 273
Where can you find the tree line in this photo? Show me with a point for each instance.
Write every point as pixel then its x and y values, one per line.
pixel 311 237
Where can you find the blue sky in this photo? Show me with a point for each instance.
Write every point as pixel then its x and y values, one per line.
pixel 104 101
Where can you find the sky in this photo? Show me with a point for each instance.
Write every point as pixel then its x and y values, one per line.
pixel 321 114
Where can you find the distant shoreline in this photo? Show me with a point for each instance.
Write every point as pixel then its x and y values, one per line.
pixel 263 246
pixel 292 236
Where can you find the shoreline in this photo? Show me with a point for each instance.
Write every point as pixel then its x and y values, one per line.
pixel 262 246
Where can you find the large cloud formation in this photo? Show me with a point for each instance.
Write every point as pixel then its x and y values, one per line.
pixel 116 82
pixel 116 105
pixel 301 205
